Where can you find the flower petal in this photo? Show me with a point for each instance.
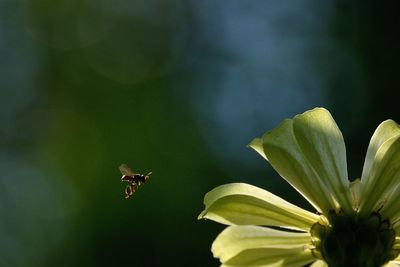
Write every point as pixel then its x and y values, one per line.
pixel 392 264
pixel 261 246
pixel 379 182
pixel 244 204
pixel 285 156
pixel 391 206
pixel 319 263
pixel 322 144
pixel 257 145
pixel 386 131
pixel 396 245
pixel 383 132
pixel 396 262
pixel 355 189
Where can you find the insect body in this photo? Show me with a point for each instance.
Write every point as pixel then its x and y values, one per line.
pixel 134 179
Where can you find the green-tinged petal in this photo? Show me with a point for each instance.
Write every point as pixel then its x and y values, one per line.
pixel 257 145
pixel 380 180
pixel 392 264
pixel 261 246
pixel 355 189
pixel 319 263
pixel 285 156
pixel 322 144
pixel 380 142
pixel 396 246
pixel 391 206
pixel 244 204
pixel 396 260
pixel 384 132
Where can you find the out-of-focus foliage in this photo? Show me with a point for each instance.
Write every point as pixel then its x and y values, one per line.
pixel 174 87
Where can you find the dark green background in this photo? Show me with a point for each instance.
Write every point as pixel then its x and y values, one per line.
pixel 174 87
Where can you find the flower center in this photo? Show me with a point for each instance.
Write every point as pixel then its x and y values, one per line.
pixel 354 241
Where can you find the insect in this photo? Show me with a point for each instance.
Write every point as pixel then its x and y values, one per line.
pixel 134 179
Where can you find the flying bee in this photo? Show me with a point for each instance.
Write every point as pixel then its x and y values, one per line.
pixel 134 179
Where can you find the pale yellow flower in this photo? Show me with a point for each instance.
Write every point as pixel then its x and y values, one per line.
pixel 355 224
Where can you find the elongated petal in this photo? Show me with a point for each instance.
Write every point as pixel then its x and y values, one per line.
pixel 386 131
pixel 383 132
pixel 261 246
pixel 384 172
pixel 244 204
pixel 257 145
pixel 391 206
pixel 285 156
pixel 322 145
pixel 319 263
pixel 396 245
pixel 392 264
pixel 355 189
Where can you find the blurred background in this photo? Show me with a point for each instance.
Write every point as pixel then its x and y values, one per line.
pixel 174 87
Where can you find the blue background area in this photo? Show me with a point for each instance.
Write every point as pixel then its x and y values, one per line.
pixel 174 87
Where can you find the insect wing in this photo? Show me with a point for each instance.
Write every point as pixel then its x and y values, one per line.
pixel 125 170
